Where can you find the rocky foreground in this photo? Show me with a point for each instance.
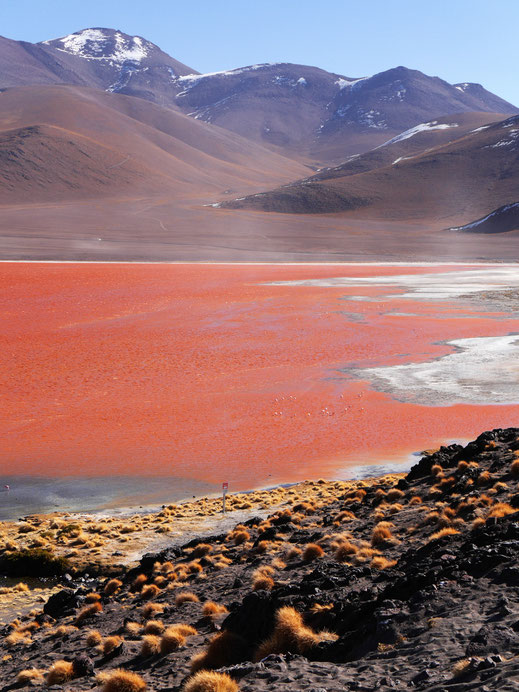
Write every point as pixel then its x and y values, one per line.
pixel 391 584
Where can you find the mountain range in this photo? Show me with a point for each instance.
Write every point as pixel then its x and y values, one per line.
pixel 101 115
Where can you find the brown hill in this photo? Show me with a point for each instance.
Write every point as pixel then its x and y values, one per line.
pixel 60 141
pixel 321 116
pixel 463 178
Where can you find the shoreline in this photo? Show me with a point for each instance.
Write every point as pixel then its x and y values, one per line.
pixel 111 507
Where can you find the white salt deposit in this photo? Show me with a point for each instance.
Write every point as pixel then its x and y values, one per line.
pixel 483 370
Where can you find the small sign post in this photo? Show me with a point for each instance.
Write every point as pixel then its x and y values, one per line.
pixel 225 488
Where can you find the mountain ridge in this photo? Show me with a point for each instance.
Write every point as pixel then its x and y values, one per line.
pixel 301 111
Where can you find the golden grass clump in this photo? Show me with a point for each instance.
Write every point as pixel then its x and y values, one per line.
pixel 415 500
pixel 92 597
pixel 209 681
pixel 133 628
pixel 149 591
pixel 294 553
pixel 312 552
pixel 123 681
pixel 186 597
pixel 501 509
pixel 380 562
pixel 154 627
pixel 443 532
pixel 291 635
pixel 202 549
pixel 88 612
pixel 394 494
pixel 382 533
pixel 345 550
pixel 171 640
pixel 110 643
pixel 64 630
pixel 151 609
pixel 262 582
pixel 59 673
pixel 225 648
pixel 484 478
pixel 112 586
pixel 139 582
pixel 460 667
pixel 25 677
pixel 240 537
pixel 17 638
pixel 211 608
pixel 93 638
pixel 477 523
pixel 514 468
pixel 150 645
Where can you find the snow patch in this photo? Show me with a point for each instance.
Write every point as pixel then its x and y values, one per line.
pixel 477 223
pixel 423 127
pixel 96 44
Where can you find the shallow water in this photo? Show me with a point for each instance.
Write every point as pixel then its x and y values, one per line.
pixel 114 375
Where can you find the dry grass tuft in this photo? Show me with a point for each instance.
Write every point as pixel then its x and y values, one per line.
pixel 154 627
pixel 202 549
pixel 514 468
pixel 382 533
pixel 443 532
pixel 224 649
pixel 380 562
pixel 211 608
pixel 294 553
pixel 93 638
pixel 150 645
pixel 151 609
pixel 311 552
pixel 460 668
pixel 171 640
pixel 88 612
pixel 59 673
pixel 239 537
pixel 139 582
pixel 501 509
pixel 262 582
pixel 208 681
pixel 150 591
pixel 109 644
pixel 291 635
pixel 25 677
pixel 112 587
pixel 123 681
pixel 186 597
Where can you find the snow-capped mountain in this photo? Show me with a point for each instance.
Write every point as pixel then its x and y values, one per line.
pixel 321 115
pixel 102 58
pixel 305 112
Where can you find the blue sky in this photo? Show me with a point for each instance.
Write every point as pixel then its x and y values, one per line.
pixel 458 40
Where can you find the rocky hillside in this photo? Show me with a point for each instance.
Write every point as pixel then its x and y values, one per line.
pixel 464 174
pixel 395 583
pixel 302 111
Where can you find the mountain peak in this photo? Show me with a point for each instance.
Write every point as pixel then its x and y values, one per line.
pixel 99 43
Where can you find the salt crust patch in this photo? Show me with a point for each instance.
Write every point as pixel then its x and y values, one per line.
pixel 441 286
pixel 482 370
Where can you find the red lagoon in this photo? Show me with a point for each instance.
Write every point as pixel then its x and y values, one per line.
pixel 207 372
